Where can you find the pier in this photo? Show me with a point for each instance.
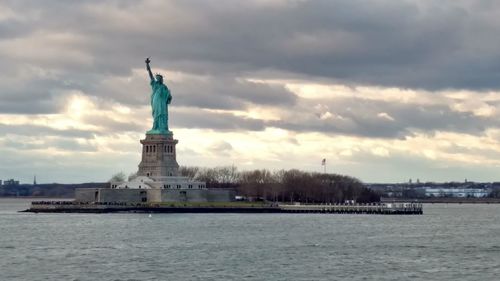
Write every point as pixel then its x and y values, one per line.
pixel 382 208
pixel 224 207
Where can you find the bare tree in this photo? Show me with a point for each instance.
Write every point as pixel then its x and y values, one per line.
pixel 132 176
pixel 118 177
pixel 189 172
pixel 291 185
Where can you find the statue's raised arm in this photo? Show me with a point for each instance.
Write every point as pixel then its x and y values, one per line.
pixel 149 69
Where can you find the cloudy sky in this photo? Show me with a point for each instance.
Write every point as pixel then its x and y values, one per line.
pixel 384 90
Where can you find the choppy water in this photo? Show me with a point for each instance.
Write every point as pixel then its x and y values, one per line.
pixel 449 242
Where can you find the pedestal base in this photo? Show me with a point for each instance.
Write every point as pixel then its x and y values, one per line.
pixel 158 156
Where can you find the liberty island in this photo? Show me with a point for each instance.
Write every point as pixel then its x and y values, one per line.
pixel 159 187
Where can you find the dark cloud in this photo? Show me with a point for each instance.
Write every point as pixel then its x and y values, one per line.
pixel 58 143
pixel 228 93
pixel 221 148
pixel 460 149
pixel 112 126
pixel 37 95
pixel 379 119
pixel 72 145
pixel 42 131
pixel 395 43
pixel 410 117
pixel 29 107
pixel 216 121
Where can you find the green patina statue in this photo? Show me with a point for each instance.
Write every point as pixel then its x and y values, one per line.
pixel 160 99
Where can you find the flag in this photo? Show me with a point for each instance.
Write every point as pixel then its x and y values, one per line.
pixel 323 162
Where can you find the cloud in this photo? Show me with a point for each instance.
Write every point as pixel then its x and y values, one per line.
pixel 221 148
pixel 285 80
pixel 72 145
pixel 404 44
pixel 215 121
pixel 42 131
pixel 230 93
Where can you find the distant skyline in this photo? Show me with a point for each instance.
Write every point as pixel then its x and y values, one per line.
pixel 384 90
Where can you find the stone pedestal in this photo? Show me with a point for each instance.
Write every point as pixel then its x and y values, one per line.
pixel 158 156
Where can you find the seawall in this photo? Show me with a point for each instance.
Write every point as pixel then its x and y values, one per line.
pixel 229 207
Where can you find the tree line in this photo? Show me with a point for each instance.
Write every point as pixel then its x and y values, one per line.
pixel 284 185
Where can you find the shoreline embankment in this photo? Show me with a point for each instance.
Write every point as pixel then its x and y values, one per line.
pixel 224 207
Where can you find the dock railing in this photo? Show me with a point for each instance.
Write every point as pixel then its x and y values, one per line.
pixel 370 208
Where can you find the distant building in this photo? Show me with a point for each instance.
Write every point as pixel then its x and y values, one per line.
pixel 456 192
pixel 0 182
pixel 11 182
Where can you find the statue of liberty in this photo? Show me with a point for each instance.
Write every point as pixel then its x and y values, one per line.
pixel 160 99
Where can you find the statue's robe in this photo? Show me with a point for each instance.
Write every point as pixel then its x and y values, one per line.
pixel 160 98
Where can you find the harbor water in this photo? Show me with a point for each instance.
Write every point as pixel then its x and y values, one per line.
pixel 447 242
